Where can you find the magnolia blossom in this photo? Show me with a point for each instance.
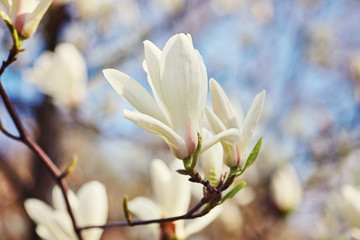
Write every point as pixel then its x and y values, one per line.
pixel 178 79
pixel 286 189
pixel 25 15
pixel 90 207
pixel 223 117
pixel 173 193
pixel 61 74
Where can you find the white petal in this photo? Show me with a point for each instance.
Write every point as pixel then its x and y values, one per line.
pixel 44 233
pixel 34 18
pixel 196 225
pixel 181 192
pixel 172 190
pixel 64 224
pixel 44 215
pixel 175 142
pixel 212 160
pixel 250 122
pixel 222 106
pixel 67 70
pixel 215 123
pixel 93 209
pixel 152 67
pixel 38 210
pixel 144 208
pixel 76 71
pixel 286 189
pixel 161 179
pixel 93 203
pixel 134 93
pixel 351 208
pixel 231 157
pixel 59 202
pixel 355 233
pixel 183 84
pixel 231 136
pixel 58 199
pixel 7 4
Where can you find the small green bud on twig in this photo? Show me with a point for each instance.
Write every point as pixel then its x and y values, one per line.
pixel 71 167
pixel 126 210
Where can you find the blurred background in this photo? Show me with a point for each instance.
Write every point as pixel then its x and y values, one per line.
pixel 304 53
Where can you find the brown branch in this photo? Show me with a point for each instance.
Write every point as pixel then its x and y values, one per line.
pixel 8 134
pixel 188 215
pixel 211 198
pixel 36 149
pixel 11 58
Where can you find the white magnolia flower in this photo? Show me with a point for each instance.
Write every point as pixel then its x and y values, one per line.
pixel 178 78
pixel 25 15
pixel 90 207
pixel 173 193
pixel 61 74
pixel 286 189
pixel 223 117
pixel 212 160
pixel 351 207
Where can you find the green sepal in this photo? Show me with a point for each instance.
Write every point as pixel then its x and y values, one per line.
pixel 187 163
pixel 233 171
pixel 182 171
pixel 213 178
pixel 233 191
pixel 208 208
pixel 17 39
pixel 196 153
pixel 253 155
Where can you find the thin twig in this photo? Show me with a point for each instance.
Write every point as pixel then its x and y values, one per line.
pixel 28 141
pixel 146 222
pixel 10 135
pixel 212 197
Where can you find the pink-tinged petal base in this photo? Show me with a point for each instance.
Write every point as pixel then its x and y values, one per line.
pixel 191 139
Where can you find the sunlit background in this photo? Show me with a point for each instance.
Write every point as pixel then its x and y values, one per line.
pixel 304 53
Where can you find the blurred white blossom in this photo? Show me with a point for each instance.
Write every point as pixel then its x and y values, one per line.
pixel 90 207
pixel 88 8
pixel 172 6
pixel 286 189
pixel 212 160
pixel 262 10
pixel 178 78
pixel 61 74
pixel 351 206
pixel 25 15
pixel 231 216
pixel 223 117
pixel 172 193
